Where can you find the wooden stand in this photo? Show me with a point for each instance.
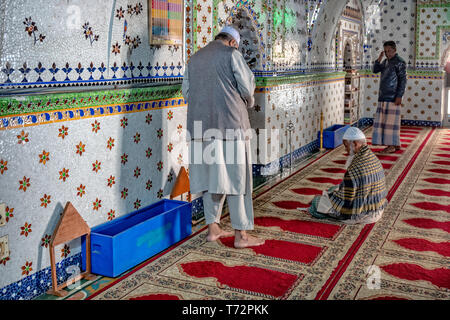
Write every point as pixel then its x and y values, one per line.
pixel 71 226
pixel 181 185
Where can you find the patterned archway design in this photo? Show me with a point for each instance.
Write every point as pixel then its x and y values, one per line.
pixel 242 16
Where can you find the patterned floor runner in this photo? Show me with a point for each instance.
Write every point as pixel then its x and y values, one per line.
pixel 403 256
pixel 406 254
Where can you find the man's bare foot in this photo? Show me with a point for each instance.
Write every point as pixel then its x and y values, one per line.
pixel 390 149
pixel 215 232
pixel 244 241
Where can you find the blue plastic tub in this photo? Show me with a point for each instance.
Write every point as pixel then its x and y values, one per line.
pixel 332 136
pixel 123 243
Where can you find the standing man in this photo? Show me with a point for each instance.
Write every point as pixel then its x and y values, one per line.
pixel 386 127
pixel 219 87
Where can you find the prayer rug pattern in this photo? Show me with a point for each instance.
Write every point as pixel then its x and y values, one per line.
pixel 306 258
pixel 408 249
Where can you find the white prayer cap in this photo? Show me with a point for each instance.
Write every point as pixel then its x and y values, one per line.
pixel 232 32
pixel 353 134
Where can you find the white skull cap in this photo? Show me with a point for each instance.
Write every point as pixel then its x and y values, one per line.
pixel 353 134
pixel 232 32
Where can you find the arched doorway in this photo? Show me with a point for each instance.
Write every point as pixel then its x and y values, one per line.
pixel 348 58
pixel 242 17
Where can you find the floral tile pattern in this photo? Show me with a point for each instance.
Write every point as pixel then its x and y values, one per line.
pixel 94 163
pixel 113 50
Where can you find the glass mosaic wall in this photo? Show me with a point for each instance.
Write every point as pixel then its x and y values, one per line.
pixel 112 151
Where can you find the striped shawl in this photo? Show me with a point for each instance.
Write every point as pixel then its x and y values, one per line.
pixel 363 188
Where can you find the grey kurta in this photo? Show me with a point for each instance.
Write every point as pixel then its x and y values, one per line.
pixel 219 101
pixel 225 90
pixel 220 177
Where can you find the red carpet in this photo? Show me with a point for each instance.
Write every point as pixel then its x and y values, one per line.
pixel 428 224
pixel 386 165
pixel 387 158
pixel 318 229
pixel 443 155
pixel 443 248
pixel 253 279
pixel 435 192
pixel 396 152
pixel 410 131
pixel 439 277
pixel 291 205
pixel 303 253
pixel 325 180
pixel 437 180
pixel 333 170
pixel 308 191
pixel 305 258
pixel 388 298
pixel 432 206
pixel 156 297
pixel 407 136
pixel 442 163
pixel 440 171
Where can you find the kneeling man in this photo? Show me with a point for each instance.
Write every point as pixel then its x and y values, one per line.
pixel 361 196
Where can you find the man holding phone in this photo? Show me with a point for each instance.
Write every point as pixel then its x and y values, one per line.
pixel 387 121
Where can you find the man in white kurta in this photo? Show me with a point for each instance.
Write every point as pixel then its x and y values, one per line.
pixel 219 87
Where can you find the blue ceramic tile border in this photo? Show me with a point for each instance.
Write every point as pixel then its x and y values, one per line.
pixel 41 118
pixel 420 123
pixel 197 209
pixel 171 73
pixel 38 283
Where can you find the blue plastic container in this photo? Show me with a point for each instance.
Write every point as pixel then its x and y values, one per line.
pixel 123 243
pixel 332 136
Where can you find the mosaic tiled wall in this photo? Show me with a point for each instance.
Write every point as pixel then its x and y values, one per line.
pixel 433 31
pixel 110 152
pixel 108 158
pixel 112 39
pixel 390 20
pixel 280 33
pixel 290 109
pixel 289 41
pixel 204 19
pixel 422 99
pixel 419 29
pixel 96 42
pixel 322 42
pixel 300 103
